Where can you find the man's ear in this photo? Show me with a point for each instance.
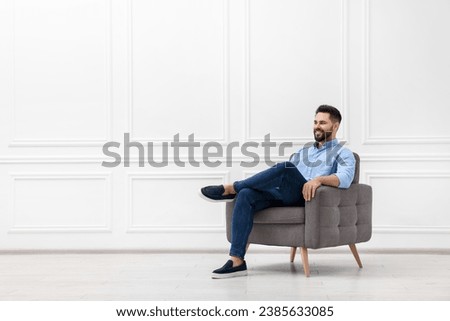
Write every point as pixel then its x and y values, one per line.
pixel 336 126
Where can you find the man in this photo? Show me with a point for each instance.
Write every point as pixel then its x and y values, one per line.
pixel 326 162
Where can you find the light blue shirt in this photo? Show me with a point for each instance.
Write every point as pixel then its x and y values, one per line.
pixel 330 158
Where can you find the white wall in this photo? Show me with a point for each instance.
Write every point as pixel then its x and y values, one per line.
pixel 76 74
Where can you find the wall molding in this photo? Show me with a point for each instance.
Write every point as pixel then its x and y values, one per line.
pixel 133 160
pixel 106 177
pixel 404 157
pixel 88 159
pixel 58 159
pixel 37 142
pixel 247 174
pixel 407 229
pixel 247 80
pixel 403 229
pixel 226 79
pixel 368 138
pixel 131 228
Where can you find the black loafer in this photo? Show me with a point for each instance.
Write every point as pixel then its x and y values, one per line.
pixel 228 271
pixel 213 193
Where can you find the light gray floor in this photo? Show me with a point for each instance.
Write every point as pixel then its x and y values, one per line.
pixel 176 276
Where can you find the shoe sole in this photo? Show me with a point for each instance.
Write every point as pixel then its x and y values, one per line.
pixel 228 275
pixel 214 201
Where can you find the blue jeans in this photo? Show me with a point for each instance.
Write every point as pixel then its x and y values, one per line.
pixel 280 185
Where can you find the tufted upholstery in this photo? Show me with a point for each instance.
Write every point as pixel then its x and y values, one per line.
pixel 333 217
pixel 338 217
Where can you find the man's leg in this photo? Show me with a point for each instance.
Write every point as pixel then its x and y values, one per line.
pixel 276 186
pixel 271 179
pixel 280 185
pixel 268 180
pixel 248 201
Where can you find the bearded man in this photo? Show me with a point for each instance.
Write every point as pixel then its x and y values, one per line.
pixel 292 183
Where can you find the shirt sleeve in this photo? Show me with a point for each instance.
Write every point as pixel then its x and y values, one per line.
pixel 345 168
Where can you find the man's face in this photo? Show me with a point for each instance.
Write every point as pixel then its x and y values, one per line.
pixel 324 129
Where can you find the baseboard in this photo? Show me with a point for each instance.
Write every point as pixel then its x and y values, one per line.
pixel 253 249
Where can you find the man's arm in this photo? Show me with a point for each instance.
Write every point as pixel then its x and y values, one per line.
pixel 342 178
pixel 309 189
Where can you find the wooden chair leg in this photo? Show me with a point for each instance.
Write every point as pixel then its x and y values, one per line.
pixel 293 251
pixel 355 254
pixel 304 254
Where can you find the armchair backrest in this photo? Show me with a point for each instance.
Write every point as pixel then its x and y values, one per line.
pixel 356 177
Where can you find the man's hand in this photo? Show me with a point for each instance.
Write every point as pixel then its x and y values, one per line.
pixel 309 189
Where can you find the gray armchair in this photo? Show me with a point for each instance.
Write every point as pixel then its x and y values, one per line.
pixel 332 218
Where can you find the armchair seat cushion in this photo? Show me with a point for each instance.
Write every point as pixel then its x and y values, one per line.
pixel 280 215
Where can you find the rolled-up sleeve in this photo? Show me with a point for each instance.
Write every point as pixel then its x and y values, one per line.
pixel 345 168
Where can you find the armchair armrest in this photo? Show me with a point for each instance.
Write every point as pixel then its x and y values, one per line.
pixel 338 216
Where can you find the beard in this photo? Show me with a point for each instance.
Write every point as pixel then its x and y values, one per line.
pixel 319 135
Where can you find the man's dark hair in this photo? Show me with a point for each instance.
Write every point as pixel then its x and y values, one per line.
pixel 335 115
